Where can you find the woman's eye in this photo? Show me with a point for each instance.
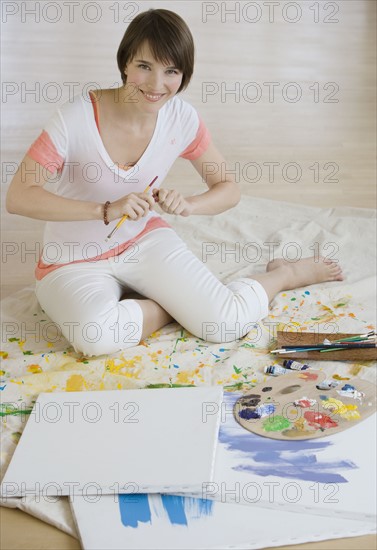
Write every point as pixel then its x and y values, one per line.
pixel 172 71
pixel 144 66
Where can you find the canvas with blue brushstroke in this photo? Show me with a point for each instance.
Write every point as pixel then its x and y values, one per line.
pixel 153 521
pixel 259 482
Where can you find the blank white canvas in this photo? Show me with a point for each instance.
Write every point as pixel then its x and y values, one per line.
pixel 110 442
pixel 194 525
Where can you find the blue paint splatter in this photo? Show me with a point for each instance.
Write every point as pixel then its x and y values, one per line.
pixel 134 509
pixel 176 366
pixel 174 507
pixel 247 413
pixel 271 457
pixel 266 409
pixel 348 387
pixel 181 510
pixel 306 292
pixel 259 412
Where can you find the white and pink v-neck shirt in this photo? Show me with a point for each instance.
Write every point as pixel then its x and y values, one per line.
pixel 71 144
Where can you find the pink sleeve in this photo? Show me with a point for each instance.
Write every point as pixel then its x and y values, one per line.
pixel 200 143
pixel 45 153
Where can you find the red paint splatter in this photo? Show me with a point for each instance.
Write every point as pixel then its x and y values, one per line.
pixel 308 375
pixel 304 403
pixel 319 420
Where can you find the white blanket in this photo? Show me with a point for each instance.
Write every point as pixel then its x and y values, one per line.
pixel 234 244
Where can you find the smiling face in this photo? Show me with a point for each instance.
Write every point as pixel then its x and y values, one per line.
pixel 150 82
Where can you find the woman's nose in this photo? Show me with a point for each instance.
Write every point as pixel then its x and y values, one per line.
pixel 156 82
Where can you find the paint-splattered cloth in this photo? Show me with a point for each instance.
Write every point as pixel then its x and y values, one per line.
pixel 237 243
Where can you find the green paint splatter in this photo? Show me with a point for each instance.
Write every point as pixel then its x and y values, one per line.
pixel 7 409
pixel 237 370
pixel 276 424
pixel 13 339
pixel 156 386
pixel 238 386
pixel 293 299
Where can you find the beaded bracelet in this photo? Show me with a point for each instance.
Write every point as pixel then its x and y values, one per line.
pixel 105 207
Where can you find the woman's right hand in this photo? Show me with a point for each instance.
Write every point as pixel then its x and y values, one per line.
pixel 134 205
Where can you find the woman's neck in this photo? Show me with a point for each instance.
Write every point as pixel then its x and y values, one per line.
pixel 125 109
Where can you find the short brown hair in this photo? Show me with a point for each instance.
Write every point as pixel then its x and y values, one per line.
pixel 168 37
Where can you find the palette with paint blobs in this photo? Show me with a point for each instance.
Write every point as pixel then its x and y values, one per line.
pixel 304 405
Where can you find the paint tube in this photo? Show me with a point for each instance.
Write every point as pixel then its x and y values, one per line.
pixel 327 384
pixel 274 370
pixel 295 365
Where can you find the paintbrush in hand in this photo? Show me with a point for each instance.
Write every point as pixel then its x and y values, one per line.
pixel 123 219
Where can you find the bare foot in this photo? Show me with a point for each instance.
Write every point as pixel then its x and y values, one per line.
pixel 306 271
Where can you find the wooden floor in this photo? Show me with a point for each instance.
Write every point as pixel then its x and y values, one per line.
pixel 319 150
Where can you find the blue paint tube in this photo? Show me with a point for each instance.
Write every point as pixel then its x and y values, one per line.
pixel 295 365
pixel 274 370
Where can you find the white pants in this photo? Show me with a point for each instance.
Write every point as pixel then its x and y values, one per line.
pixel 83 299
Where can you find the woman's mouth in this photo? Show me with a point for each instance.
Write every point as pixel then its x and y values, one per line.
pixel 152 97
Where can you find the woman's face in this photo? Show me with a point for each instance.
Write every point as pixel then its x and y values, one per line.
pixel 150 83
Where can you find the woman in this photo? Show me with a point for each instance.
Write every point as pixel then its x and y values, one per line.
pixel 107 146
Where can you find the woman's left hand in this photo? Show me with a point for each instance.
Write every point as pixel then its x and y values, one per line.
pixel 172 202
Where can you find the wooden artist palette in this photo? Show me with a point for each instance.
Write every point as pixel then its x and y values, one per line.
pixel 292 408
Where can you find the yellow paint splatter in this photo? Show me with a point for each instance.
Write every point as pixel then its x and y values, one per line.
pixel 3 354
pixel 338 377
pixel 185 377
pixel 35 369
pixel 16 437
pixel 300 423
pixel 351 415
pixel 355 369
pixel 21 344
pixel 2 372
pixel 334 405
pixel 349 412
pixel 75 383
